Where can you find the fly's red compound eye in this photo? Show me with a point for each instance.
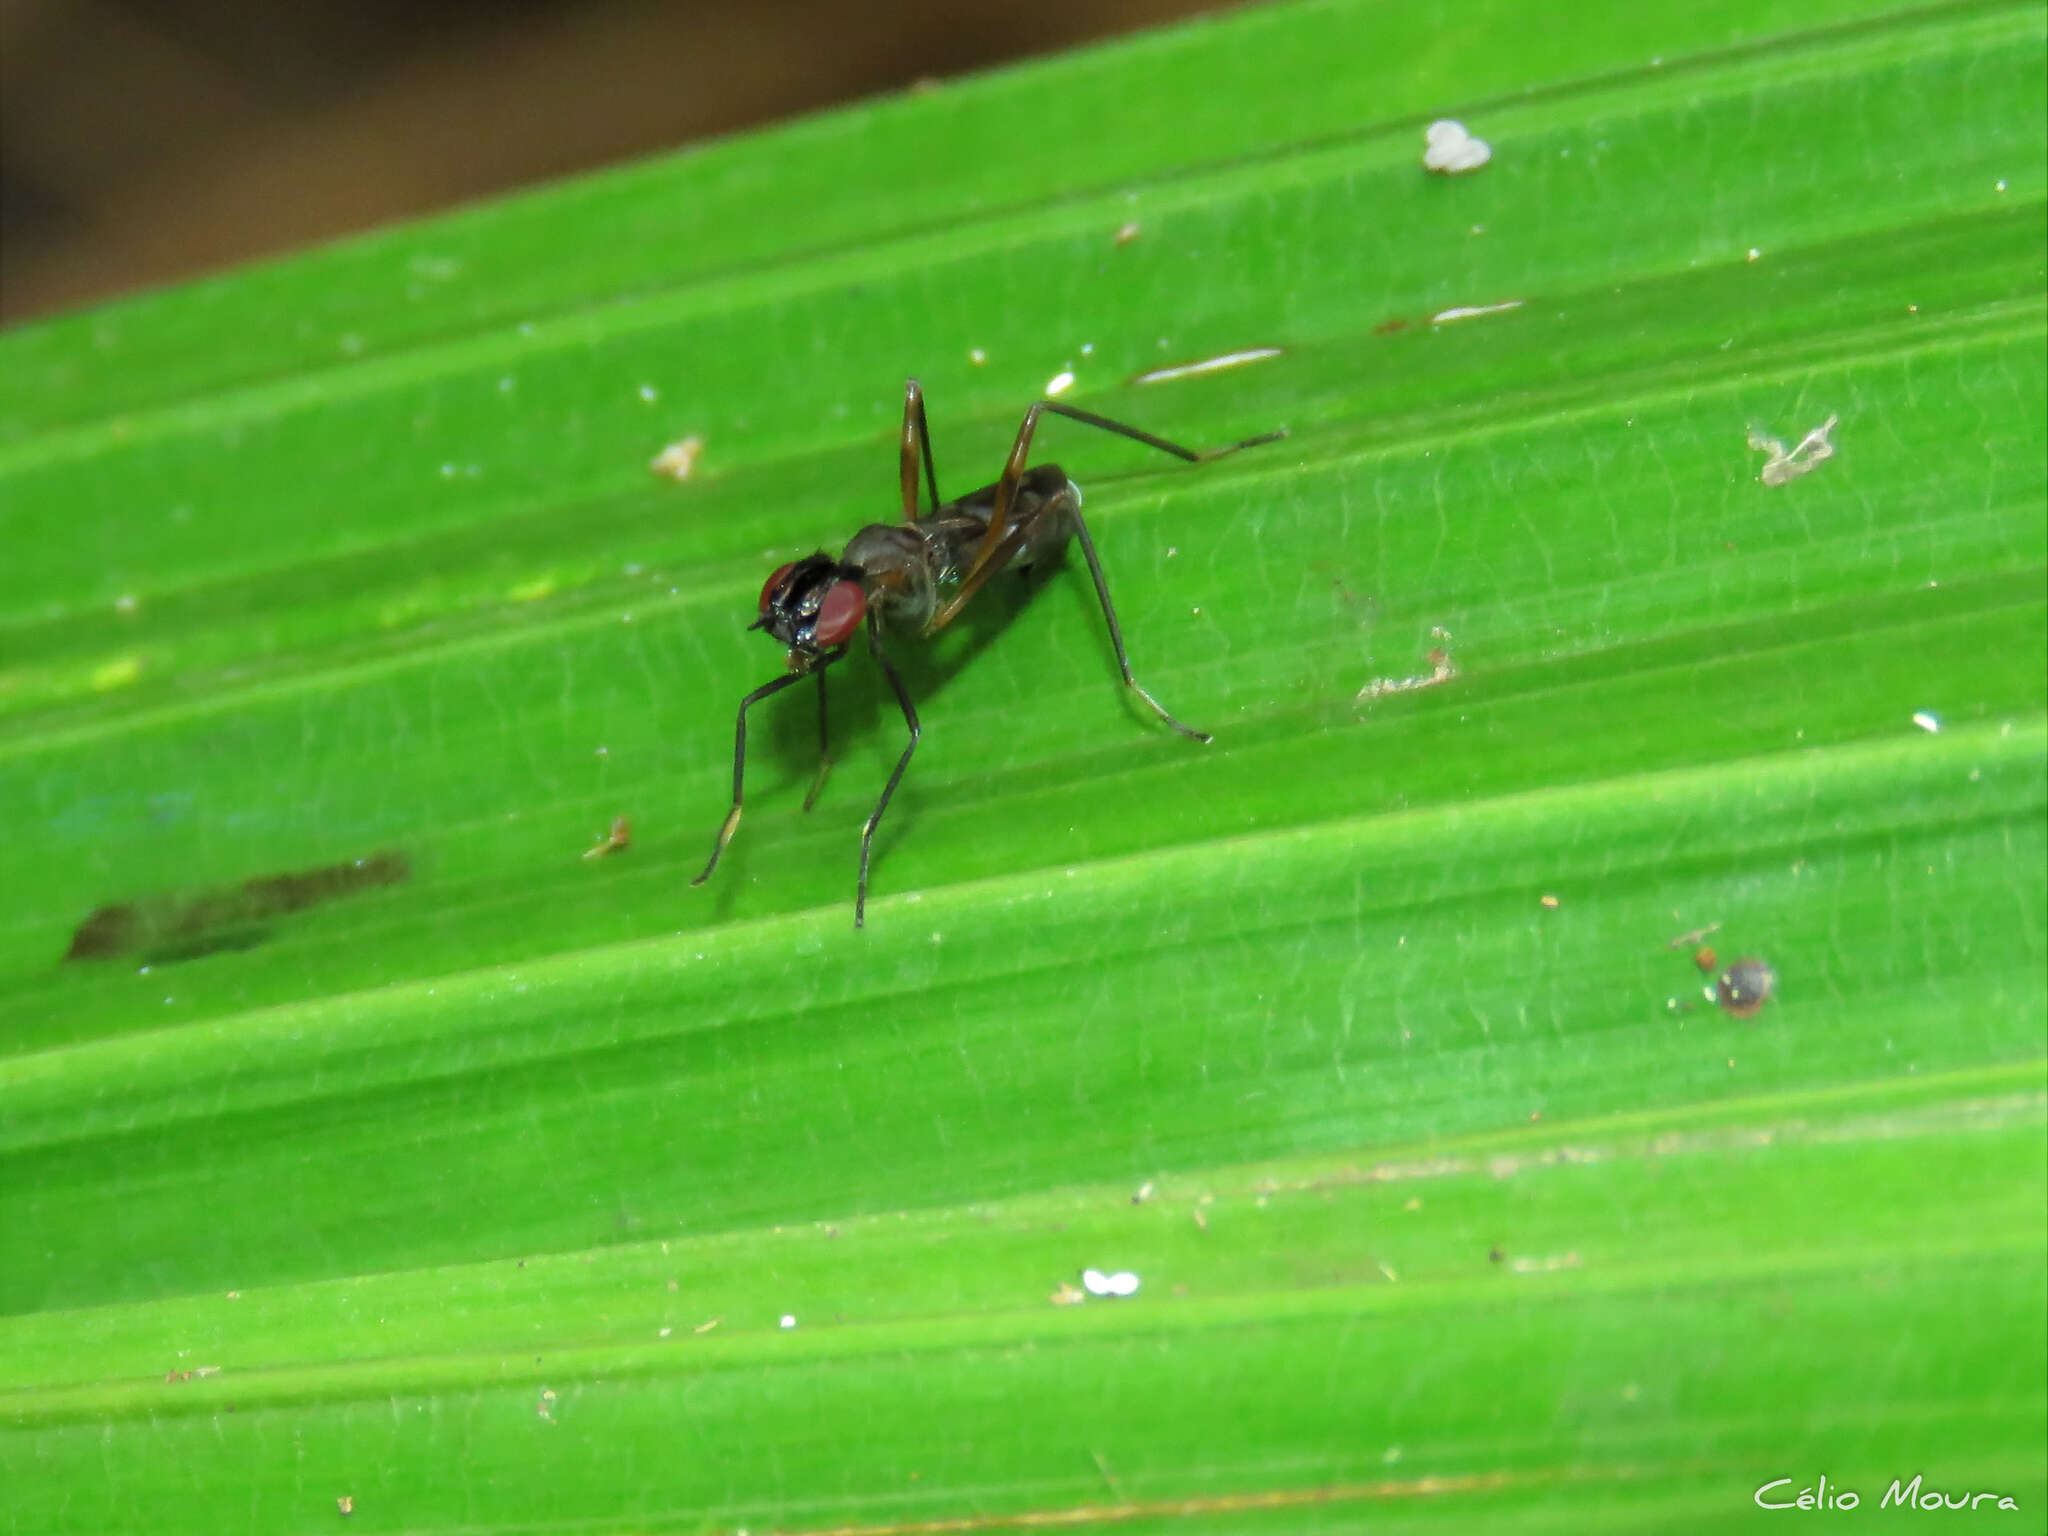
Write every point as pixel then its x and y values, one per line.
pixel 768 587
pixel 840 614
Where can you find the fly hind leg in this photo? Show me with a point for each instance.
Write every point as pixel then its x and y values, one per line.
pixel 916 446
pixel 1074 521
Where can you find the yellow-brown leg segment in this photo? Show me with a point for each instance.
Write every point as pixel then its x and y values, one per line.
pixel 917 445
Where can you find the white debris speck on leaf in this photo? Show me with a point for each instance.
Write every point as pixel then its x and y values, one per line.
pixel 976 356
pixel 678 460
pixel 1128 232
pixel 1549 1264
pixel 1060 382
pixel 649 393
pixel 1207 365
pixel 1928 721
pixel 1472 311
pixel 1755 254
pixel 1122 1283
pixel 1783 465
pixel 789 1319
pixel 1441 670
pixel 1450 150
pixel 620 837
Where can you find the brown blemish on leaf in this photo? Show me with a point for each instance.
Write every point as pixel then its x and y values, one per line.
pixel 183 927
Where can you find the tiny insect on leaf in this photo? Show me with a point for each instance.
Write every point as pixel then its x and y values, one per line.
pixel 914 577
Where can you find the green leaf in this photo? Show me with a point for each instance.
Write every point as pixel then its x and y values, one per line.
pixel 361 1139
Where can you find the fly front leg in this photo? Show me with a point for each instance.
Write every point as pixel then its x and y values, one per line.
pixel 739 754
pixel 867 833
pixel 824 746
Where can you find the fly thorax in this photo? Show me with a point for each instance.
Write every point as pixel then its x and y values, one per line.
pixel 900 572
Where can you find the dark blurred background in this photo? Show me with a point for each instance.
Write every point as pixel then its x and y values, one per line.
pixel 143 141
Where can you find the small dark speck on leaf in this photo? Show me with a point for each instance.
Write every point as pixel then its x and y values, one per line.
pixel 1745 986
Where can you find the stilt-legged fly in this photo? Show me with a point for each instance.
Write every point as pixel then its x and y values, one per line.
pixel 915 576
